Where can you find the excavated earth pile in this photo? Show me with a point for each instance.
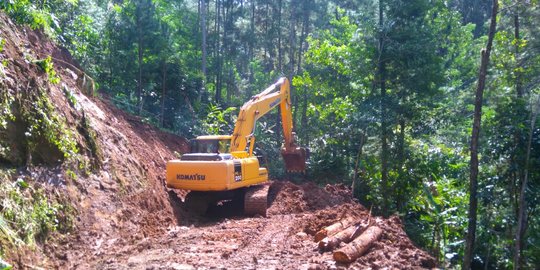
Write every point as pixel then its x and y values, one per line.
pixel 127 219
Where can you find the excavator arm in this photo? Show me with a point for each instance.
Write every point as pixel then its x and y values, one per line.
pixel 258 106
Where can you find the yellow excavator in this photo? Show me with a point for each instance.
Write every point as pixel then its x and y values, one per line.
pixel 223 167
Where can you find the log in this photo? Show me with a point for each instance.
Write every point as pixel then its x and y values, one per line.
pixel 358 246
pixel 333 229
pixel 347 235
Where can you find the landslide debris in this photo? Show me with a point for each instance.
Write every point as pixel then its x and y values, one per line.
pixel 108 167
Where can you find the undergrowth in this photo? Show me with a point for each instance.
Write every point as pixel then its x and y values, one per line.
pixel 27 213
pixel 43 121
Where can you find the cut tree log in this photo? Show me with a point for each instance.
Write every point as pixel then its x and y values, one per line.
pixel 333 229
pixel 347 235
pixel 359 246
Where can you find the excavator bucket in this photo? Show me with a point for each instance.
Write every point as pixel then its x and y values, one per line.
pixel 295 159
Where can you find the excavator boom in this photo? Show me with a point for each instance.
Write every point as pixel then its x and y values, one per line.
pixel 277 94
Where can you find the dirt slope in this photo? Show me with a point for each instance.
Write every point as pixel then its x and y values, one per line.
pixel 127 219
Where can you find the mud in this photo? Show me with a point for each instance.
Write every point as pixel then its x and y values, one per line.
pixel 127 219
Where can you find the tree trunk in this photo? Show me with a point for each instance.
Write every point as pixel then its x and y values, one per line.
pixel 384 132
pixel 216 32
pixel 292 48
pixel 251 47
pixel 267 37
pixel 359 246
pixel 473 188
pixel 517 71
pixel 292 40
pixel 219 53
pixel 290 68
pixel 139 60
pixel 280 55
pixel 345 236
pixel 303 34
pixel 357 162
pixel 517 156
pixel 399 190
pixel 516 159
pixel 304 116
pixel 226 51
pixel 333 229
pixel 230 83
pixel 110 52
pixel 522 216
pixel 163 92
pixel 203 36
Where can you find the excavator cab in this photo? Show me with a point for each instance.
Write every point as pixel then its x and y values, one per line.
pixel 211 144
pixel 209 148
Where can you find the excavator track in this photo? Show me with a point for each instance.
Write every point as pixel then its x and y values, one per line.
pixel 256 200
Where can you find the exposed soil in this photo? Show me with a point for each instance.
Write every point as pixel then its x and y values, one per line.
pixel 127 219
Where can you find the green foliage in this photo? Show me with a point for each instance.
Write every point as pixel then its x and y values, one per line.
pixel 218 121
pixel 438 212
pixel 48 67
pixel 27 12
pixel 71 175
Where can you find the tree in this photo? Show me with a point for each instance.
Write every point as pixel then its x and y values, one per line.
pixel 473 188
pixel 203 36
pixel 381 75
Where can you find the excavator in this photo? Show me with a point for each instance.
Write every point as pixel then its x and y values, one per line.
pixel 224 167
